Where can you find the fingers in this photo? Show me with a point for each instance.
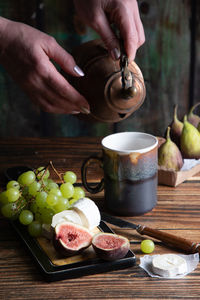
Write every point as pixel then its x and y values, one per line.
pixel 103 28
pixel 127 19
pixel 123 13
pixel 53 93
pixel 133 36
pixel 64 98
pixel 62 58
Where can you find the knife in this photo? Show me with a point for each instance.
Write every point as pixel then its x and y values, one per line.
pixel 167 238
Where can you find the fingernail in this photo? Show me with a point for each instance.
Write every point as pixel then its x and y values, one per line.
pixel 85 110
pixel 78 71
pixel 75 112
pixel 115 53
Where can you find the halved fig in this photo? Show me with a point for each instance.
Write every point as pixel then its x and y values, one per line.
pixel 110 246
pixel 70 238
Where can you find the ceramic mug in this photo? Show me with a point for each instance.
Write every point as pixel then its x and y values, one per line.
pixel 129 162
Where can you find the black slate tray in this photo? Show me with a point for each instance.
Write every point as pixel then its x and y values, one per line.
pixel 52 272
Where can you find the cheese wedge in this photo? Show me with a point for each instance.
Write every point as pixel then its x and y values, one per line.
pixel 169 265
pixel 88 212
pixel 66 215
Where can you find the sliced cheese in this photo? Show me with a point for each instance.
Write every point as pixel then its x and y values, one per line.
pixel 88 212
pixel 66 215
pixel 169 265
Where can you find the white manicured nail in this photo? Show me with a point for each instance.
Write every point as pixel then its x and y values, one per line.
pixel 74 112
pixel 115 53
pixel 78 71
pixel 85 110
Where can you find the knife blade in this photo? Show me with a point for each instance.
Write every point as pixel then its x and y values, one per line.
pixel 167 238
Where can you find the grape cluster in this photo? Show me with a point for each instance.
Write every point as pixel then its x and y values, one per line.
pixel 34 198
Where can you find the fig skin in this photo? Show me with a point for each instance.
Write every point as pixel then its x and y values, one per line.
pixel 71 231
pixel 193 118
pixel 176 128
pixel 169 155
pixel 118 246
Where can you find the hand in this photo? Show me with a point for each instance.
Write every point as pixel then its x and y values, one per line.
pixel 100 14
pixel 26 53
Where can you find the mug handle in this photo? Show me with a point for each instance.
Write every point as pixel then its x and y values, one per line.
pixel 99 187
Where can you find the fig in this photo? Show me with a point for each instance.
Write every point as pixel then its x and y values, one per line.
pixel 192 118
pixel 169 155
pixel 176 128
pixel 70 238
pixel 110 246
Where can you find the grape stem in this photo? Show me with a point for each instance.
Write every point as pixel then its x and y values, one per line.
pixel 45 168
pixel 60 177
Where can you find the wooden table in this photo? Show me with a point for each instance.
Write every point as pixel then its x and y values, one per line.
pixel 177 212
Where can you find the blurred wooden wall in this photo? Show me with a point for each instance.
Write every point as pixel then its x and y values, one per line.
pixel 169 60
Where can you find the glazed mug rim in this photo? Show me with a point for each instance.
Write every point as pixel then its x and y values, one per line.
pixel 115 143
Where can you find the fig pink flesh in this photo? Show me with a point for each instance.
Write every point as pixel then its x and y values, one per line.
pixel 71 237
pixel 109 242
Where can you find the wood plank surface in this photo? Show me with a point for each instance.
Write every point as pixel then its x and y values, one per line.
pixel 177 212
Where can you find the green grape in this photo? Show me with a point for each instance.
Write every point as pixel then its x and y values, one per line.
pixel 33 188
pixel 27 177
pixel 41 172
pixel 33 207
pixel 147 246
pixel 46 215
pixel 12 194
pixel 51 199
pixel 41 199
pixel 62 204
pixel 19 179
pixel 3 198
pixel 26 217
pixel 13 184
pixel 56 192
pixel 78 193
pixel 9 210
pixel 70 176
pixel 50 184
pixel 35 229
pixel 67 189
pixel 38 217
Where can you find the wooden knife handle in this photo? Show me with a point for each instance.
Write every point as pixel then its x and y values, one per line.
pixel 170 239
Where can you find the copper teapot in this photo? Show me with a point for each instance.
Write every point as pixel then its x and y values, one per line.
pixel 111 99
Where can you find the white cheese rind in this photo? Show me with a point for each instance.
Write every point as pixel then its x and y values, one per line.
pixel 169 265
pixel 88 212
pixel 66 215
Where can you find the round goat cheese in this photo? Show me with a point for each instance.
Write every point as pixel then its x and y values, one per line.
pixel 88 212
pixel 66 215
pixel 169 265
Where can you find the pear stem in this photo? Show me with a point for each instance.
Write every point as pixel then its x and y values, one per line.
pixel 175 112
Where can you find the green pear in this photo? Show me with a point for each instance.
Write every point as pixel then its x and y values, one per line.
pixel 169 155
pixel 190 140
pixel 176 128
pixel 194 119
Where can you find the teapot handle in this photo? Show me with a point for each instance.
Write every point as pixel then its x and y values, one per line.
pixel 92 189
